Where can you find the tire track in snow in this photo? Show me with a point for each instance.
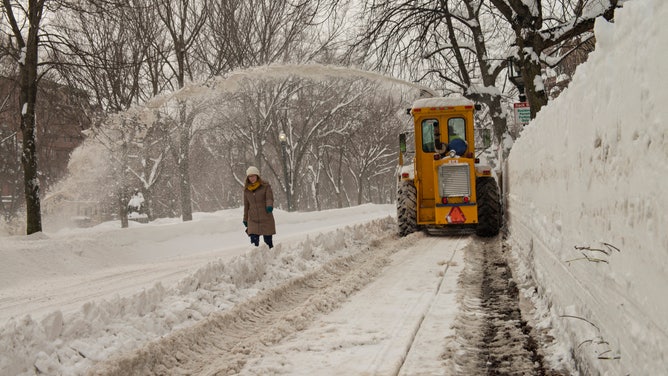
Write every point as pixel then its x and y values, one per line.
pixel 400 369
pixel 221 343
pixel 491 336
pixel 372 332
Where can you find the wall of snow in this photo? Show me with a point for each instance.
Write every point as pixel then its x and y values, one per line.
pixel 591 172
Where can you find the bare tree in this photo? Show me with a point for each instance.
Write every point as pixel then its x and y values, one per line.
pixel 245 33
pixel 183 20
pixel 106 51
pixel 251 118
pixel 444 43
pixel 372 152
pixel 319 119
pixel 10 172
pixel 466 40
pixel 30 42
pixel 26 56
pixel 315 113
pixel 453 40
pixel 539 27
pixel 331 157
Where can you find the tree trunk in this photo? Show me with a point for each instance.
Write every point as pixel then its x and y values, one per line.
pixel 123 208
pixel 531 69
pixel 536 98
pixel 360 187
pixel 28 99
pixel 316 197
pixel 149 206
pixel 339 180
pixel 30 176
pixel 184 175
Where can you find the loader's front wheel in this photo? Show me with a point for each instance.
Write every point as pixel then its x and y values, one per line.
pixel 407 208
pixel 489 207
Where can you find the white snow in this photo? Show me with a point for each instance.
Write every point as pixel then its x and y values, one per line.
pixel 592 169
pixel 232 81
pixel 75 297
pixel 136 201
pixel 587 220
pixel 135 206
pixel 418 289
pixel 442 102
pixel 22 56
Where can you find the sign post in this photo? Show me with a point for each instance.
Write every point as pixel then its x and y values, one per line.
pixel 522 113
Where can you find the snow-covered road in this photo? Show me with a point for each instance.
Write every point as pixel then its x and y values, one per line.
pixel 396 325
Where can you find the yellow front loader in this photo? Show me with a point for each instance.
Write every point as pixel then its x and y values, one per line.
pixel 448 190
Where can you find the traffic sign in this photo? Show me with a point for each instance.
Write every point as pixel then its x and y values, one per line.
pixel 522 113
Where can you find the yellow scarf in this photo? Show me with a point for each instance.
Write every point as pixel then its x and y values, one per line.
pixel 254 186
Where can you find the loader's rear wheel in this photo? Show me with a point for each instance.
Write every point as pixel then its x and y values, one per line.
pixel 489 207
pixel 407 208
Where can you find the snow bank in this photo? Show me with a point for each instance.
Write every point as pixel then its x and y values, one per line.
pixel 587 205
pixel 69 341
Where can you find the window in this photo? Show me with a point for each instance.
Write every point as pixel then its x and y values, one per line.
pixel 456 129
pixel 428 142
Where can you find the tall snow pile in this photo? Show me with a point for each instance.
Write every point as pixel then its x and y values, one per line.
pixel 587 203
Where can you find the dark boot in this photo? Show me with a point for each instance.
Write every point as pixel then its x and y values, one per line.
pixel 255 239
pixel 269 241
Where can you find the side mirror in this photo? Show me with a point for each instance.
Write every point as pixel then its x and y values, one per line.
pixel 402 142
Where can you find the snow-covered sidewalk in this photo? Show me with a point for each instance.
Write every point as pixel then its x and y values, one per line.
pixel 63 270
pixel 73 298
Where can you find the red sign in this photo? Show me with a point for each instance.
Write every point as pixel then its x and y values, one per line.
pixel 456 216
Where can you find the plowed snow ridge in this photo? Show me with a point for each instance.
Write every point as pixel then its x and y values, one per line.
pixel 230 336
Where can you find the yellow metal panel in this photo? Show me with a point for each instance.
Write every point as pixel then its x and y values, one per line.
pixel 426 215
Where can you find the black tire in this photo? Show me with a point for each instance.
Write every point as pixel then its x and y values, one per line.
pixel 489 207
pixel 407 208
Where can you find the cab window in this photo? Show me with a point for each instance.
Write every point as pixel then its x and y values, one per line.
pixel 456 129
pixel 428 141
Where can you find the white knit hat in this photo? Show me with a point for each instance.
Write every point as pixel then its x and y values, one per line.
pixel 252 170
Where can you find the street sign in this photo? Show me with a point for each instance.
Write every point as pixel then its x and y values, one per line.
pixel 522 113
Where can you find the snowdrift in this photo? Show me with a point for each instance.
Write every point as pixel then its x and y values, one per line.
pixel 586 202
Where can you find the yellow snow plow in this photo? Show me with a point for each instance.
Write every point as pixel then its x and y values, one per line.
pixel 448 189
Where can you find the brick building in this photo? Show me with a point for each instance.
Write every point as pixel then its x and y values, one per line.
pixel 60 122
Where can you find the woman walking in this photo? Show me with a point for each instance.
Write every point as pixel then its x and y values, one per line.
pixel 258 208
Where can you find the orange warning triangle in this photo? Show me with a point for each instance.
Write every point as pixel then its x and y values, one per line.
pixel 456 215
